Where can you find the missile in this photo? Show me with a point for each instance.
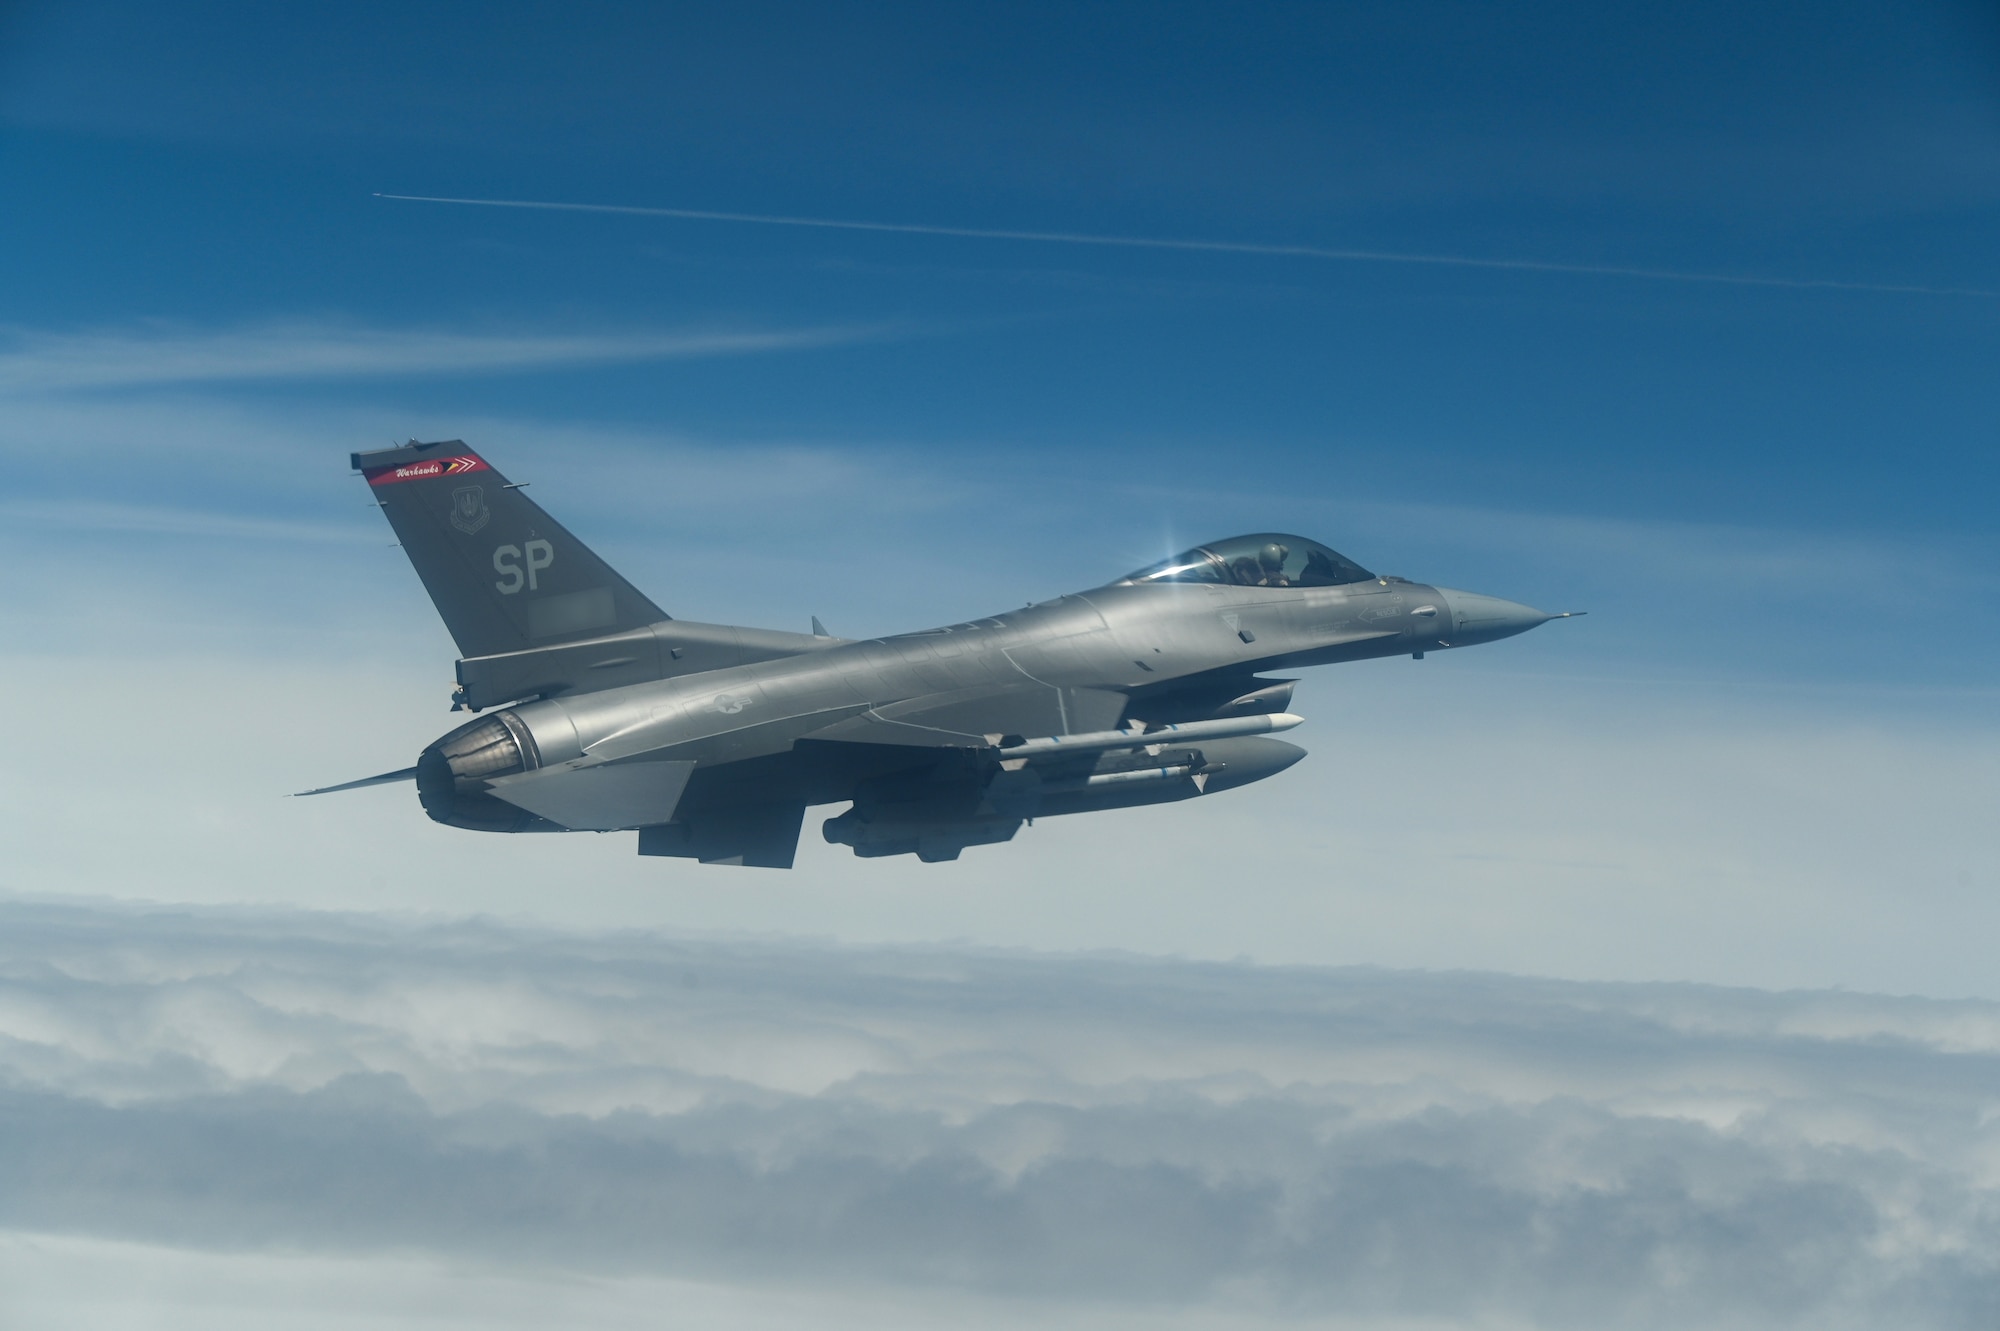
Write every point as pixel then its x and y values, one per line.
pixel 1099 780
pixel 1186 732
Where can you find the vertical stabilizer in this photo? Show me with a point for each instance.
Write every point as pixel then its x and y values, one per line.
pixel 504 575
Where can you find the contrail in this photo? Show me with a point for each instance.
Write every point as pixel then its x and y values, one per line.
pixel 1212 246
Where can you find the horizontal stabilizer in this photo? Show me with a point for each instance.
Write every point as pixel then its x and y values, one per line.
pixel 604 797
pixel 407 774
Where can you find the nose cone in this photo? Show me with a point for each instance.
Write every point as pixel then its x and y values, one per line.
pixel 1476 618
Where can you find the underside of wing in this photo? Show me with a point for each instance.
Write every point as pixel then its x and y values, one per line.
pixel 755 836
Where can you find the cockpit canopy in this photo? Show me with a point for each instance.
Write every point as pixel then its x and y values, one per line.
pixel 1262 559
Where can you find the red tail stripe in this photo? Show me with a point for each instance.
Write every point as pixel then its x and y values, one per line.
pixel 426 470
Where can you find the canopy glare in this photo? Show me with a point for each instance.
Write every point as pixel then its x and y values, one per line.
pixel 1262 559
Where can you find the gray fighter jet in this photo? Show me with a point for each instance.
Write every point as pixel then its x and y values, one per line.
pixel 712 741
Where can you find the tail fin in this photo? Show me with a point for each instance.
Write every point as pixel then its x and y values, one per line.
pixel 505 576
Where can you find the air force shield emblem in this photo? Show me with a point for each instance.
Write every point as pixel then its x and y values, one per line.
pixel 468 509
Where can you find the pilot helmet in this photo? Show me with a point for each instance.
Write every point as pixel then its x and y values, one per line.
pixel 1272 556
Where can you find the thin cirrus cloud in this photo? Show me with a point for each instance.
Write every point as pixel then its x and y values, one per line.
pixel 1083 1132
pixel 40 361
pixel 754 518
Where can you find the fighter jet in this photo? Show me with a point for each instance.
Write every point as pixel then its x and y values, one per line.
pixel 599 712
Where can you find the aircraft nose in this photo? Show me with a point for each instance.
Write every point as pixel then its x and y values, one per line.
pixel 1476 618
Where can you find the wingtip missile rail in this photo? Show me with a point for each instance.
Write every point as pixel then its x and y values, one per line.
pixel 1012 749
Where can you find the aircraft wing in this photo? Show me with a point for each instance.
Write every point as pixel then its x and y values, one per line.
pixel 873 728
pixel 968 718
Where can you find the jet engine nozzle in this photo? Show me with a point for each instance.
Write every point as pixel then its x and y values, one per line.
pixel 452 774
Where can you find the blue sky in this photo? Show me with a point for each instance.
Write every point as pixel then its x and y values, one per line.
pixel 210 170
pixel 1762 454
pixel 217 165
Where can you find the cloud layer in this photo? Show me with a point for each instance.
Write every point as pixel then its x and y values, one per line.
pixel 1110 1130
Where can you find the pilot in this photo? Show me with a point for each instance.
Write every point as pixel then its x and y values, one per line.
pixel 1271 566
